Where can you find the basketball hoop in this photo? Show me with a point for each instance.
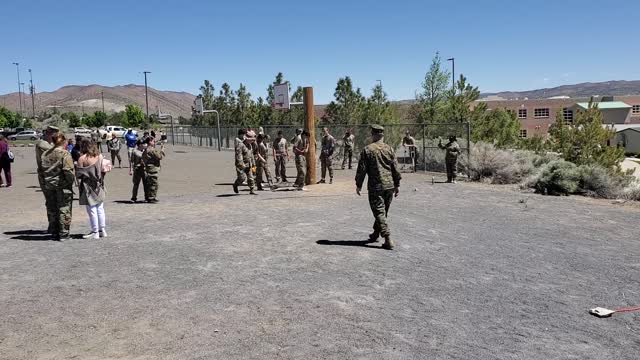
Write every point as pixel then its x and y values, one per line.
pixel 281 96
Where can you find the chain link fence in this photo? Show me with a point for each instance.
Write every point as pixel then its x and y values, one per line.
pixel 428 157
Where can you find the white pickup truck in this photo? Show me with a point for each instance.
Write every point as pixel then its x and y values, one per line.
pixel 118 130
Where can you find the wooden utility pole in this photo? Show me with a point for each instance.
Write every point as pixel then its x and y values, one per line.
pixel 310 126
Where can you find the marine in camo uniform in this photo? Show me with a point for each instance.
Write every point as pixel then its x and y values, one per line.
pixel 326 155
pixel 280 156
pixel 58 174
pixel 452 150
pixel 151 159
pixel 300 149
pixel 262 162
pixel 49 195
pixel 378 162
pixel 347 143
pixel 245 163
pixel 136 170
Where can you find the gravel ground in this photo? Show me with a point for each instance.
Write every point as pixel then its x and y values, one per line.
pixel 479 273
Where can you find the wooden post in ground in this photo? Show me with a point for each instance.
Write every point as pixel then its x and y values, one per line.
pixel 310 126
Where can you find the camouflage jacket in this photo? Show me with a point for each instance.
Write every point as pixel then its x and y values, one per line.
pixel 328 145
pixel 151 159
pixel 57 169
pixel 452 151
pixel 348 141
pixel 244 157
pixel 41 147
pixel 263 151
pixel 300 146
pixel 378 161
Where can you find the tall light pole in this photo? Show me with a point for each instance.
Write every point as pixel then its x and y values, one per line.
pixel 146 92
pixel 22 105
pixel 453 73
pixel 32 90
pixel 102 94
pixel 19 92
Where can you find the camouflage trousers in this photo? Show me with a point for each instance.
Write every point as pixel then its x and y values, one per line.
pixel 115 154
pixel 380 201
pixel 262 168
pixel 301 167
pixel 452 169
pixel 348 154
pixel 245 175
pixel 49 196
pixel 61 205
pixel 281 169
pixel 327 164
pixel 139 176
pixel 151 179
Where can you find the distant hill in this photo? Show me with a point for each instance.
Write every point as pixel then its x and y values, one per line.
pixel 613 88
pixel 75 98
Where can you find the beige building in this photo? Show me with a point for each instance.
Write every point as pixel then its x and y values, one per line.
pixel 537 115
pixel 628 136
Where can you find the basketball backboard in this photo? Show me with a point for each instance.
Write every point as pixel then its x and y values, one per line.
pixel 199 105
pixel 281 96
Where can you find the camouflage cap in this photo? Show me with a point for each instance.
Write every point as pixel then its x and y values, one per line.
pixel 377 128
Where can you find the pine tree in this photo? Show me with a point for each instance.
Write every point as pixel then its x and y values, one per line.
pixel 430 103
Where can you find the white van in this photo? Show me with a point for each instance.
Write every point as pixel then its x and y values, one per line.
pixel 118 130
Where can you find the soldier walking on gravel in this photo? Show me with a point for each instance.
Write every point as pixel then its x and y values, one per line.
pixel 452 150
pixel 347 143
pixel 326 154
pixel 378 161
pixel 300 149
pixel 245 163
pixel 280 156
pixel 262 164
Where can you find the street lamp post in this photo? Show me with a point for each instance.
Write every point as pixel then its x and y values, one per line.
pixel 102 94
pixel 32 90
pixel 19 92
pixel 453 72
pixel 22 105
pixel 146 92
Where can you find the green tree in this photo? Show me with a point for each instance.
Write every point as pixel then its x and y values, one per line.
pixel 27 124
pixel 14 121
pixel 348 106
pixel 430 104
pixel 499 127
pixel 133 116
pixel 585 142
pixel 460 101
pixel 100 119
pixel 378 109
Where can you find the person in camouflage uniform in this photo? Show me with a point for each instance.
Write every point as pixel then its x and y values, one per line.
pixel 58 174
pixel 280 156
pixel 136 169
pixel 151 159
pixel 49 195
pixel 245 163
pixel 409 142
pixel 262 163
pixel 300 149
pixel 347 142
pixel 326 154
pixel 452 150
pixel 378 161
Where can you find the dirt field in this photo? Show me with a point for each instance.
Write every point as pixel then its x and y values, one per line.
pixel 479 273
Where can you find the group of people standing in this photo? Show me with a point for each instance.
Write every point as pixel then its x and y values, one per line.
pixel 84 166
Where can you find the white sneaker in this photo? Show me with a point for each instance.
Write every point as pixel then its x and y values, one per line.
pixel 103 233
pixel 92 235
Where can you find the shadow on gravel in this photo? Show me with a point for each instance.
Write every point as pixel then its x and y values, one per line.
pixel 33 187
pixel 25 232
pixel 360 243
pixel 128 202
pixel 224 184
pixel 227 195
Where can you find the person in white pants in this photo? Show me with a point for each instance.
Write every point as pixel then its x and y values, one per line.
pixel 90 171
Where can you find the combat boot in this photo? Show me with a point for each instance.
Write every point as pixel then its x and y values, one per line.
pixel 235 188
pixel 331 181
pixel 388 243
pixel 373 237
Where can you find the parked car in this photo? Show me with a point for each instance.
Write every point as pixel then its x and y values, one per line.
pixel 118 130
pixel 26 135
pixel 79 131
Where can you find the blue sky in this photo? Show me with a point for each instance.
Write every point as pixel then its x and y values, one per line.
pixel 498 45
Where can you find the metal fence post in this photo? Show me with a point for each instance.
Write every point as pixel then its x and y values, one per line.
pixel 424 147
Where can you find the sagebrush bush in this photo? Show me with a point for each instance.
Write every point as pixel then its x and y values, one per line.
pixel 486 161
pixel 596 181
pixel 631 192
pixel 520 166
pixel 557 177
